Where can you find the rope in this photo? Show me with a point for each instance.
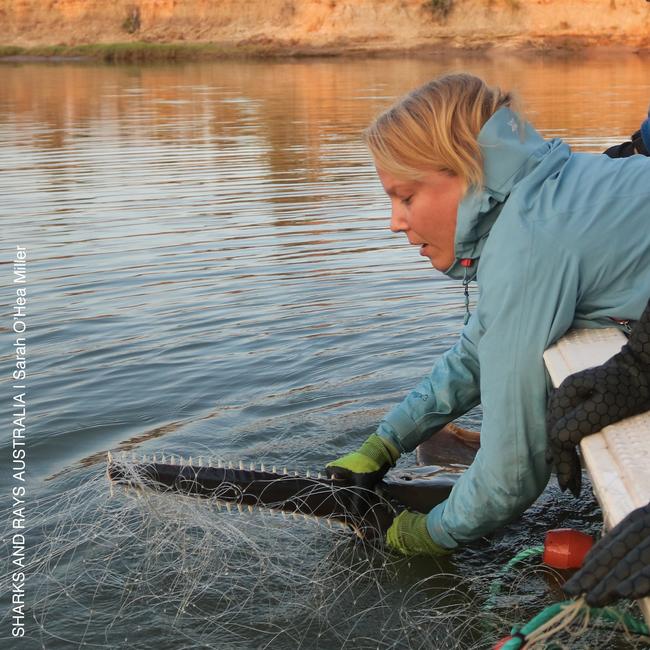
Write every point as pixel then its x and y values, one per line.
pixel 495 587
pixel 555 618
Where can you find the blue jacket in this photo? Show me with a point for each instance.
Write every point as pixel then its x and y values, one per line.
pixel 559 240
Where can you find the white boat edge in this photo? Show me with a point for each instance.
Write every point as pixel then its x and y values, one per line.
pixel 618 457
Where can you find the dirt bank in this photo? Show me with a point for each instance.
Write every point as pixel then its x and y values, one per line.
pixel 330 26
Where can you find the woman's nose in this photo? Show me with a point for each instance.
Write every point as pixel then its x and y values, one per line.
pixel 398 221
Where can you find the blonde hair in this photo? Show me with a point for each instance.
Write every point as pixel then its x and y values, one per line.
pixel 435 128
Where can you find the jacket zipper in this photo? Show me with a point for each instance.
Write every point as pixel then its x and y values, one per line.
pixel 466 263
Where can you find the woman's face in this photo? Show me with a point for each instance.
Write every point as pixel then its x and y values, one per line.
pixel 426 212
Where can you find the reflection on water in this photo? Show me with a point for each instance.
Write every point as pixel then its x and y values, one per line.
pixel 296 108
pixel 209 264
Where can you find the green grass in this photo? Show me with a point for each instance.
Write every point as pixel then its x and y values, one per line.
pixel 140 51
pixel 10 50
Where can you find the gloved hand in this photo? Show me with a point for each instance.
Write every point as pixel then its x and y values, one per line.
pixel 642 145
pixel 638 144
pixel 408 535
pixel 366 466
pixel 619 565
pixel 590 400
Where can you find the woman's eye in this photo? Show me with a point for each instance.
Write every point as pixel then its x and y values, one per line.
pixel 407 200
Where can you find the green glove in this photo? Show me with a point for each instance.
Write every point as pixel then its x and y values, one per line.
pixel 366 466
pixel 408 535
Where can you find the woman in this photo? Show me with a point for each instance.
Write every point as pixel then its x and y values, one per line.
pixel 554 240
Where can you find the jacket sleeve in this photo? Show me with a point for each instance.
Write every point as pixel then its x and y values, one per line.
pixel 450 390
pixel 523 313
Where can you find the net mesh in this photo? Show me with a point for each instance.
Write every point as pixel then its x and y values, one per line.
pixel 116 567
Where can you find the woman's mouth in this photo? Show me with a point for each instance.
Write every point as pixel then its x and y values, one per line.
pixel 423 248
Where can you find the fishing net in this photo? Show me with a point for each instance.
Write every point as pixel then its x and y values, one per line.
pixel 116 567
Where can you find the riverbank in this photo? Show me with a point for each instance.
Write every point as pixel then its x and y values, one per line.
pixel 143 52
pixel 145 30
pixel 133 52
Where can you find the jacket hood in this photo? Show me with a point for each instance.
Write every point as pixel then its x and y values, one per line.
pixel 511 148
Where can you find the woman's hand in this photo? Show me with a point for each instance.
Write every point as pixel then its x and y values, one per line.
pixel 366 466
pixel 639 143
pixel 592 399
pixel 619 565
pixel 408 535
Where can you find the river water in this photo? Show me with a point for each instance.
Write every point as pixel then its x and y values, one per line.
pixel 210 272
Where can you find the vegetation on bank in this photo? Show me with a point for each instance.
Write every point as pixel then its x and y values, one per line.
pixel 149 52
pixel 142 52
pixel 188 30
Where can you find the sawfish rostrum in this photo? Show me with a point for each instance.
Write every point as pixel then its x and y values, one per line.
pixel 369 513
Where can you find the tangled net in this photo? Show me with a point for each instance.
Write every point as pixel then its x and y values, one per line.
pixel 138 569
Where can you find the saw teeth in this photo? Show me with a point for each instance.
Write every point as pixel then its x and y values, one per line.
pixel 189 462
pixel 308 475
pixel 252 467
pixel 228 506
pixel 284 471
pixel 274 470
pixel 250 509
pixel 262 469
pixel 240 508
pixel 241 464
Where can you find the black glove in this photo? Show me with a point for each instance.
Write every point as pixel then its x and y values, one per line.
pixel 639 143
pixel 590 400
pixel 619 565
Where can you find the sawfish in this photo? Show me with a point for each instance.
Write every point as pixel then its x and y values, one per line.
pixel 369 513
